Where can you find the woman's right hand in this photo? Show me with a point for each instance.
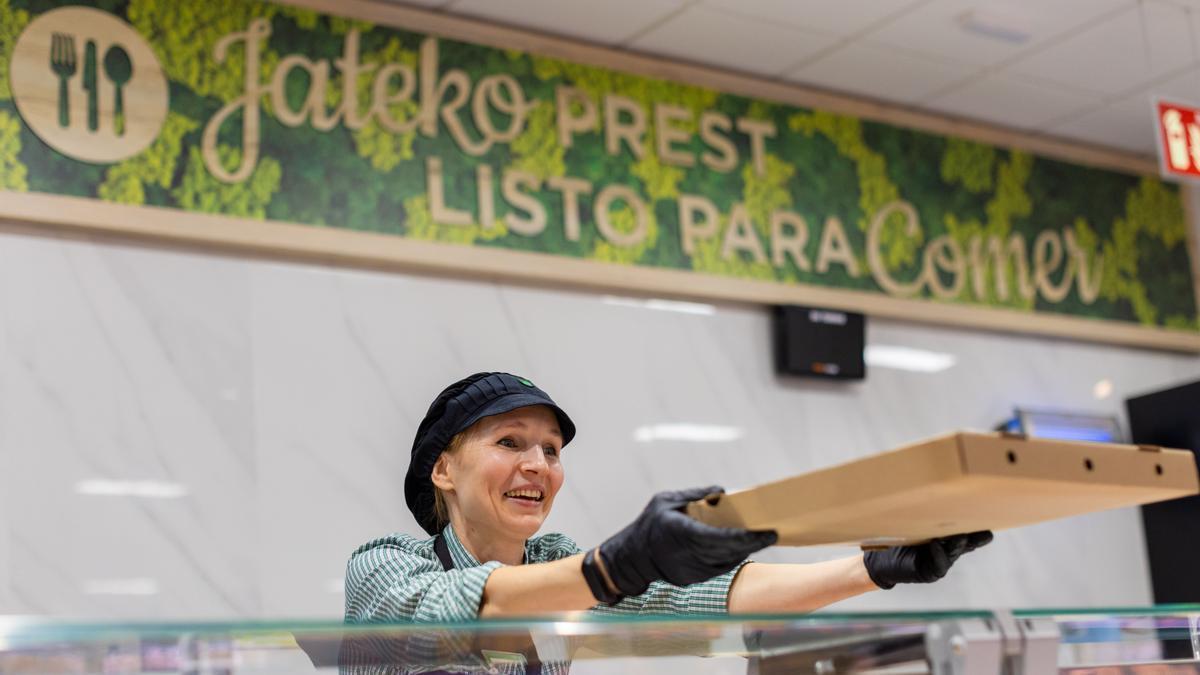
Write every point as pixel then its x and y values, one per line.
pixel 665 544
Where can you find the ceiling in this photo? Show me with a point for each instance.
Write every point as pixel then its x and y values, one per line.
pixel 1079 70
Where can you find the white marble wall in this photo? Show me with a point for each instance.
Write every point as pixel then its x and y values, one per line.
pixel 283 398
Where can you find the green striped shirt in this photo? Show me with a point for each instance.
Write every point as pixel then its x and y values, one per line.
pixel 399 578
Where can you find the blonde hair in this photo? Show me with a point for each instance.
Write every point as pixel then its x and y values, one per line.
pixel 441 509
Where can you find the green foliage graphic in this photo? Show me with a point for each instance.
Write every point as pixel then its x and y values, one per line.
pixel 760 197
pixel 875 187
pixel 12 22
pixel 12 171
pixel 656 181
pixel 382 148
pixel 993 227
pixel 537 150
pixel 126 182
pixel 199 191
pixel 422 226
pixel 185 34
pixel 968 164
pixel 1153 220
pixel 1008 202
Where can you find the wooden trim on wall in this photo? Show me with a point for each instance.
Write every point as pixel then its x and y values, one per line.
pixel 730 82
pixel 274 239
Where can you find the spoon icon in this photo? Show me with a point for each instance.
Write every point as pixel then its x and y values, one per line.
pixel 118 68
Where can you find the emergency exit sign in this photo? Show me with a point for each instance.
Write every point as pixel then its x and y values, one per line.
pixel 1178 140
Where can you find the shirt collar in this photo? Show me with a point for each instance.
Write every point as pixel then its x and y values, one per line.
pixel 462 557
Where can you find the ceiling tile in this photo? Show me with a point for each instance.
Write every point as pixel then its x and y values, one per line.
pixel 1011 102
pixel 733 41
pixel 1110 57
pixel 935 27
pixel 607 22
pixel 1184 88
pixel 882 73
pixel 831 16
pixel 1189 4
pixel 1127 124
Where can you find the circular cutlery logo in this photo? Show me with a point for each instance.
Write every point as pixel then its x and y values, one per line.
pixel 88 85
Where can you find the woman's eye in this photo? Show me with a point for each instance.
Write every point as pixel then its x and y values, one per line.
pixel 508 442
pixel 551 451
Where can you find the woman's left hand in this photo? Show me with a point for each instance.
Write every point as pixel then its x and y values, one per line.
pixel 923 563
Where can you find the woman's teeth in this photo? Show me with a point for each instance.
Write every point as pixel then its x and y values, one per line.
pixel 535 495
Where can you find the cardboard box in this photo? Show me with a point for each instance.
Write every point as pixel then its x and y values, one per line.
pixel 958 482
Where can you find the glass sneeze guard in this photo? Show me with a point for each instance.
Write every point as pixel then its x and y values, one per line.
pixel 1080 641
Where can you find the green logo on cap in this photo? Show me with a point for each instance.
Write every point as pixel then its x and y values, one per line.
pixel 524 381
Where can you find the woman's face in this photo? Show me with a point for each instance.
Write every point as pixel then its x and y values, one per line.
pixel 504 477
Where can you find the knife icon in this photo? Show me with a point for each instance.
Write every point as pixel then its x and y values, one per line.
pixel 89 83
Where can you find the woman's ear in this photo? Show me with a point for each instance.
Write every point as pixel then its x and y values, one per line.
pixel 441 474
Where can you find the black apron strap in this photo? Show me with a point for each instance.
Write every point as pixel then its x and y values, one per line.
pixel 443 552
pixel 532 666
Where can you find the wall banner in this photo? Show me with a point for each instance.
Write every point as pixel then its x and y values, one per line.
pixel 277 114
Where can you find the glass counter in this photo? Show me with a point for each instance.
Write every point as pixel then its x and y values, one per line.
pixel 1157 640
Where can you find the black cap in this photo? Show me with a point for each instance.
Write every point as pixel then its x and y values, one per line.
pixel 454 410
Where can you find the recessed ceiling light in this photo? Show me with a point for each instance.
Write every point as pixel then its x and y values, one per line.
pixel 1102 389
pixel 661 305
pixel 146 489
pixel 999 24
pixel 907 358
pixel 697 433
pixel 140 586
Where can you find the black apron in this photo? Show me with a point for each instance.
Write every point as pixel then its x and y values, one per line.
pixel 527 649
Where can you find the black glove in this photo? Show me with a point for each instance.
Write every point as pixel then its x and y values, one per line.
pixel 665 544
pixel 923 563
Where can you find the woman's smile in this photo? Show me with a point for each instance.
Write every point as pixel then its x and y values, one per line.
pixel 526 496
pixel 524 504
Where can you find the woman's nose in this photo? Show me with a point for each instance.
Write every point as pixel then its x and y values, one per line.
pixel 534 459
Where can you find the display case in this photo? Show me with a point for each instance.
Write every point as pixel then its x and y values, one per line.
pixel 1094 641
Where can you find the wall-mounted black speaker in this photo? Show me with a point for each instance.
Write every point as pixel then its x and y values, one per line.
pixel 818 342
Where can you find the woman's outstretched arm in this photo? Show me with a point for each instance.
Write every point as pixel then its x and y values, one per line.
pixel 524 590
pixel 780 587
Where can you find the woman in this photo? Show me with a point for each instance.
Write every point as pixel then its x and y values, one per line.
pixel 485 469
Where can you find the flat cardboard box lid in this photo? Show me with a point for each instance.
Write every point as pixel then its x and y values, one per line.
pixel 958 482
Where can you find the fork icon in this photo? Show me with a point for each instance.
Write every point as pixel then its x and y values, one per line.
pixel 62 62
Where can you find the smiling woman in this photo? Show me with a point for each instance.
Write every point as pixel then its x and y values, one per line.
pixel 486 466
pixel 496 481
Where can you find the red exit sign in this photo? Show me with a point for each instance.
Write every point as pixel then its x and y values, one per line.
pixel 1178 139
